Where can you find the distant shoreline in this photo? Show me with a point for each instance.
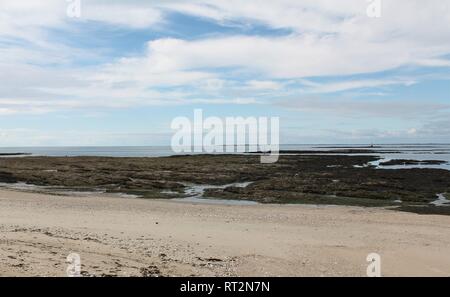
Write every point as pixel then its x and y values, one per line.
pixel 14 154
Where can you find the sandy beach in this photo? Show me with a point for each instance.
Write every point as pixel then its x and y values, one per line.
pixel 139 237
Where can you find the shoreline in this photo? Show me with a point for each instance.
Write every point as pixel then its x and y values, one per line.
pixel 441 202
pixel 136 237
pixel 294 179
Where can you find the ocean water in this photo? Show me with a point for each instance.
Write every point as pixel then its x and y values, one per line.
pixel 419 152
pixel 100 151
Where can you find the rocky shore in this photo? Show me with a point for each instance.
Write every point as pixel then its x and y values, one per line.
pixel 300 178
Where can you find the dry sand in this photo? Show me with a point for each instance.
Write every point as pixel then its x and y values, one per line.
pixel 118 236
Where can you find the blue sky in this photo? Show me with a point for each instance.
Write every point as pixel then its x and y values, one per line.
pixel 120 73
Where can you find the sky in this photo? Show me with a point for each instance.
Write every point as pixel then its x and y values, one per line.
pixel 119 72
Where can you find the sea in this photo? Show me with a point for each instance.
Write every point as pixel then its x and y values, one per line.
pixel 418 152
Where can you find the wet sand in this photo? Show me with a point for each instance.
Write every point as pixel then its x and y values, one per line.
pixel 137 237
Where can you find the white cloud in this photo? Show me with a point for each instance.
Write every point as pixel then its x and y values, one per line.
pixel 122 13
pixel 213 84
pixel 357 84
pixel 357 108
pixel 23 137
pixel 399 17
pixel 434 63
pixel 412 131
pixel 238 101
pixel 326 39
pixel 287 57
pixel 21 18
pixel 305 15
pixel 264 85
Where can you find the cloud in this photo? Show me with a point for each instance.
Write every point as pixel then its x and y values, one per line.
pixel 320 39
pixel 263 85
pixel 400 18
pixel 434 63
pixel 372 134
pixel 357 108
pixel 307 15
pixel 286 57
pixel 122 14
pixel 238 101
pixel 436 127
pixel 340 86
pixel 22 137
pixel 412 131
pixel 23 18
pixel 343 53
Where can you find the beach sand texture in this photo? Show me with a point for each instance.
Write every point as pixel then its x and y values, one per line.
pixel 138 237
